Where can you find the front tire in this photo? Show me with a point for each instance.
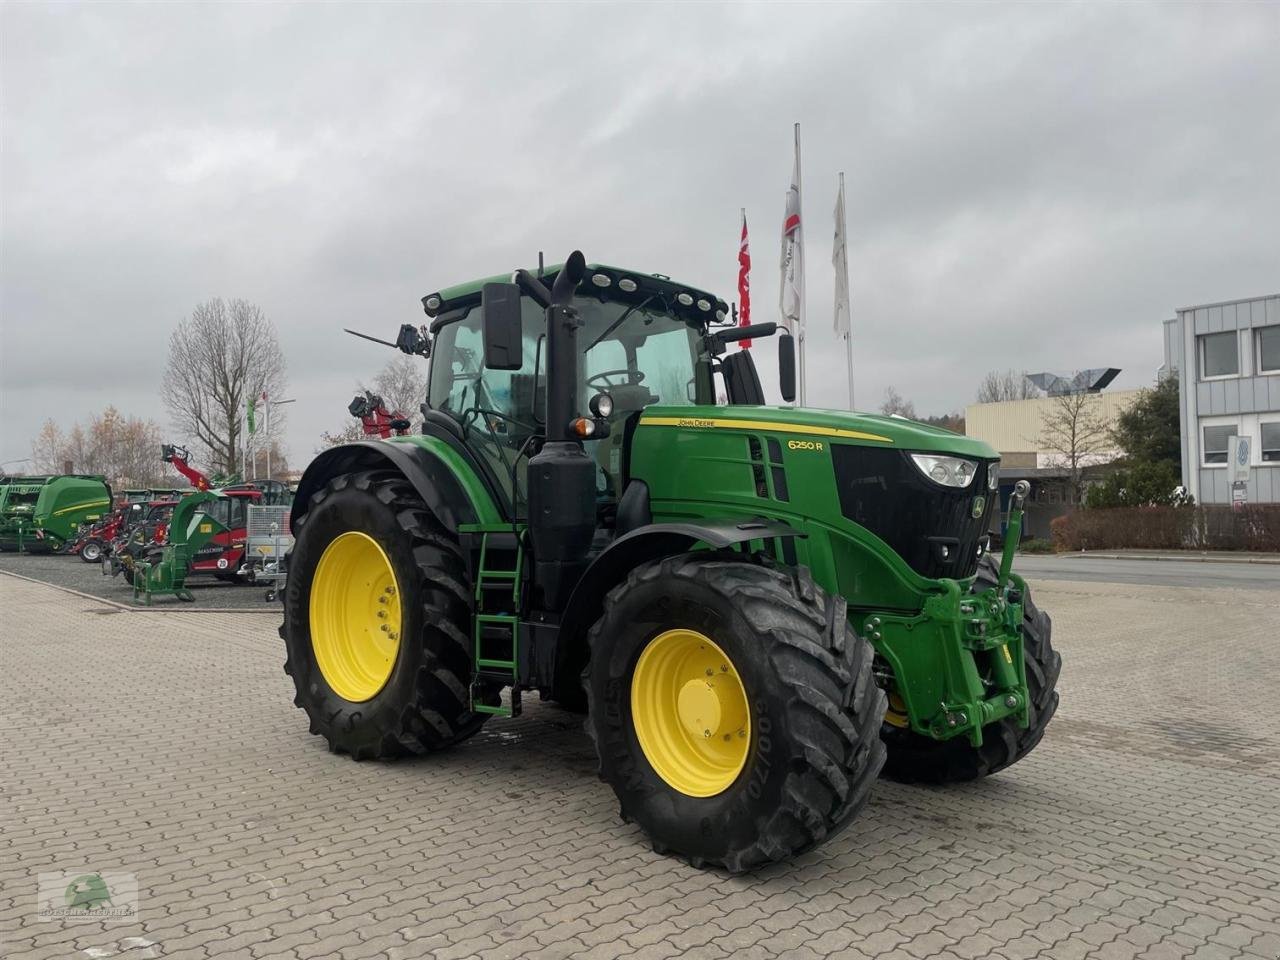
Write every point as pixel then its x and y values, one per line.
pixel 371 692
pixel 810 715
pixel 91 551
pixel 914 758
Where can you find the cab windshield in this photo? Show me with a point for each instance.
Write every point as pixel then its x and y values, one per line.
pixel 640 353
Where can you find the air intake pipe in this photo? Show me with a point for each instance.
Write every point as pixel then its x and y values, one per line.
pixel 562 482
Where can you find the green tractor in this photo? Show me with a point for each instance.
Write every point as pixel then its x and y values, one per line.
pixel 42 514
pixel 758 607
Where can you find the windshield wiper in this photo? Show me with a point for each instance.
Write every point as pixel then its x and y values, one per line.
pixel 617 323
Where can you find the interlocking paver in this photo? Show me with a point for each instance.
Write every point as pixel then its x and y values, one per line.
pixel 1144 827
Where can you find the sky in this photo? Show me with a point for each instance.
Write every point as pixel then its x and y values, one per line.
pixel 1032 186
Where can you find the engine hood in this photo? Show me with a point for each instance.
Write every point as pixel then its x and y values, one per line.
pixel 834 425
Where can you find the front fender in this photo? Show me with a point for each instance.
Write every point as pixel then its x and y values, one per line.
pixel 642 545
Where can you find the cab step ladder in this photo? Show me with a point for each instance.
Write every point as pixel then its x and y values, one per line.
pixel 497 621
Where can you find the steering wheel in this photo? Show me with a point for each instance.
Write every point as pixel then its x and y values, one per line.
pixel 605 375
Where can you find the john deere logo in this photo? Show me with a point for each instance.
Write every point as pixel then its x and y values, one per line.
pixel 979 504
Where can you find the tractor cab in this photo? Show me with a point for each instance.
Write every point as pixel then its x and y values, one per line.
pixel 272 493
pixel 641 340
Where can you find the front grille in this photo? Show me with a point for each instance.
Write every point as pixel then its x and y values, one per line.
pixel 884 491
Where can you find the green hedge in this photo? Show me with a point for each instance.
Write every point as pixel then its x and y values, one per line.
pixel 1254 527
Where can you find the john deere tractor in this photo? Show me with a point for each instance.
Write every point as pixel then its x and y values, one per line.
pixel 759 607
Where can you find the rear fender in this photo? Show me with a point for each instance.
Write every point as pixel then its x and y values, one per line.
pixel 426 468
pixel 642 545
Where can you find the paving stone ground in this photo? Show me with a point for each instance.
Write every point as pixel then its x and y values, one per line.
pixel 165 745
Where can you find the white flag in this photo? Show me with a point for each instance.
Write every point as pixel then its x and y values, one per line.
pixel 791 301
pixel 840 260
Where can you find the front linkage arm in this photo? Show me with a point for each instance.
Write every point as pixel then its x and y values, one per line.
pixel 1012 533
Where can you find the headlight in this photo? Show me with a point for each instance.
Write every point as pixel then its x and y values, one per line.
pixel 993 475
pixel 948 471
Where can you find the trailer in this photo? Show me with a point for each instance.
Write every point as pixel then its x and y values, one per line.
pixel 268 540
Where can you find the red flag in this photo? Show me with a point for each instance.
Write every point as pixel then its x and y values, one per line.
pixel 744 282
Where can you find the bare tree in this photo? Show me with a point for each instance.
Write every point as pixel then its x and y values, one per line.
pixel 125 450
pixel 47 449
pixel 894 403
pixel 402 384
pixel 1075 433
pixel 278 460
pixel 1006 385
pixel 350 433
pixel 219 357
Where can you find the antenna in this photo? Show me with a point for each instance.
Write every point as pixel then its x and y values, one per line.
pixel 539 264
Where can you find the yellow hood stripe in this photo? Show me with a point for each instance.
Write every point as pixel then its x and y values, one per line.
pixel 699 423
pixel 79 506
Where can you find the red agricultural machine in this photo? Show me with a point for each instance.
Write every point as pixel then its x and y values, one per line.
pixel 180 459
pixel 93 541
pixel 375 418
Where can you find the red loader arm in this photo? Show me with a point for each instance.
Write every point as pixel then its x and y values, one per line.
pixel 178 456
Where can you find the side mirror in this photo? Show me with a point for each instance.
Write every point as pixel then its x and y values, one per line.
pixel 787 367
pixel 503 344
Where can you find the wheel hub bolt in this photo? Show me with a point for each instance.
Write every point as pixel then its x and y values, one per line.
pixel 1011 701
pixel 385 628
pixel 706 733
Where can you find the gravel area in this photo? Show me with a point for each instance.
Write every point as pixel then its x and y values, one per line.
pixel 75 574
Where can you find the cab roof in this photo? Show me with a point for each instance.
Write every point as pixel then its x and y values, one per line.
pixel 462 295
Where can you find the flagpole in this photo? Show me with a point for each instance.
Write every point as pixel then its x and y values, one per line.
pixel 848 334
pixel 266 429
pixel 800 324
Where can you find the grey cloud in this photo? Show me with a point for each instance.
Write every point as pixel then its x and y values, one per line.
pixel 1031 186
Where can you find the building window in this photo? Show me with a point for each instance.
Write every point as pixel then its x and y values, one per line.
pixel 1271 441
pixel 1220 355
pixel 1216 441
pixel 1269 349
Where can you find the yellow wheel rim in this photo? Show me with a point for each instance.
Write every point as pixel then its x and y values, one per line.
pixel 689 710
pixel 355 616
pixel 896 715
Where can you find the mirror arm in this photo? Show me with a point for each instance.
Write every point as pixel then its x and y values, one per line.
pixel 533 287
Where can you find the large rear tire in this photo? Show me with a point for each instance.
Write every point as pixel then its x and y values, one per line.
pixel 914 758
pixel 751 693
pixel 380 654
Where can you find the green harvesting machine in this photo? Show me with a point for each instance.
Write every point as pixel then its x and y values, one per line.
pixel 41 514
pixel 759 607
